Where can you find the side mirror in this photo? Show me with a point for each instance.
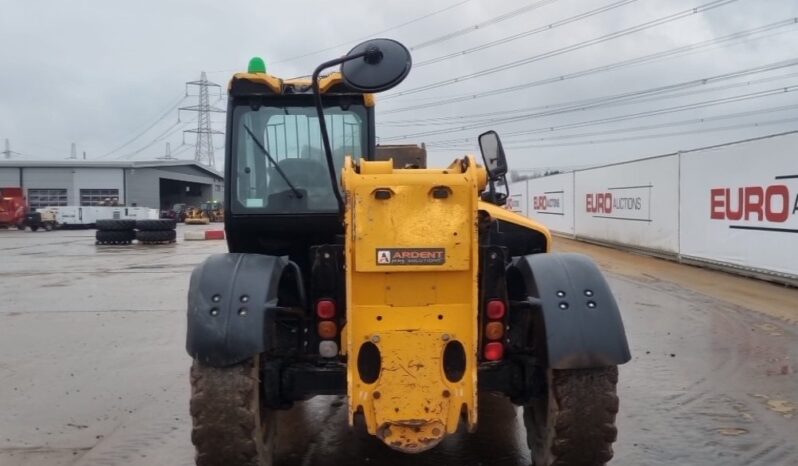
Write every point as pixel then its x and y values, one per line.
pixel 373 66
pixel 493 154
pixel 376 65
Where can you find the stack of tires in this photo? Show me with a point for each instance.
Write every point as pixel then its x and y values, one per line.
pixel 115 232
pixel 156 231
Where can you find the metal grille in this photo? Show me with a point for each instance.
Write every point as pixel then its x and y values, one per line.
pixel 96 197
pixel 38 198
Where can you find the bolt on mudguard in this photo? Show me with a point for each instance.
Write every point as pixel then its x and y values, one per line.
pixel 230 298
pixel 412 300
pixel 581 319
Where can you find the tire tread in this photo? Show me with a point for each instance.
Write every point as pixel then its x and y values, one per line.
pixel 156 236
pixel 156 225
pixel 225 410
pixel 582 419
pixel 115 225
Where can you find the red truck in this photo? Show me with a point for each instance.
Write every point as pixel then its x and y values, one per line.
pixel 13 208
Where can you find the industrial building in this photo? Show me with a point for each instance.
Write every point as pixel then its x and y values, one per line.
pixel 155 184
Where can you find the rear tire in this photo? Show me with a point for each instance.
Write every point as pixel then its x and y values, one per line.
pixel 34 227
pixel 156 225
pixel 114 237
pixel 574 425
pixel 115 225
pixel 156 236
pixel 231 426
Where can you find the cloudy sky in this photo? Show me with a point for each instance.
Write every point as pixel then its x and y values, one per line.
pixel 567 83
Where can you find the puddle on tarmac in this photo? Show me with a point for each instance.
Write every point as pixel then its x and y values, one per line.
pixel 784 407
pixel 732 431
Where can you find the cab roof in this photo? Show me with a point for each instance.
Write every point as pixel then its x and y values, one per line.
pixel 265 84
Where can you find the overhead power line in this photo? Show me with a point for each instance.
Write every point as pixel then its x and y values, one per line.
pixel 175 127
pixel 677 51
pixel 666 110
pixel 528 33
pixel 181 149
pixel 664 135
pixel 635 97
pixel 570 48
pixel 670 124
pixel 645 95
pixel 644 114
pixel 373 34
pixel 162 116
pixel 481 25
pixel 362 38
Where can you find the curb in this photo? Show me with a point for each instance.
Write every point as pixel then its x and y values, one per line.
pixel 203 235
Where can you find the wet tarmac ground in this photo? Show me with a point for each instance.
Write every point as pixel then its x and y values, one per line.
pixel 93 371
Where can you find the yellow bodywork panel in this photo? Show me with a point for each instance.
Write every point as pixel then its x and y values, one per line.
pixel 297 85
pixel 500 213
pixel 412 289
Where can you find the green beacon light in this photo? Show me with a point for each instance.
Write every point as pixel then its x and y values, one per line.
pixel 256 65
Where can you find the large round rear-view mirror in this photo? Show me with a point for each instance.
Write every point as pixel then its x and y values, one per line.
pixel 380 65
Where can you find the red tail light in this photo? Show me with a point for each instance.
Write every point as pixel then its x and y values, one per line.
pixel 325 309
pixel 494 351
pixel 495 309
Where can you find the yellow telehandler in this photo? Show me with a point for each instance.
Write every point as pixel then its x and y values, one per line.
pixel 409 290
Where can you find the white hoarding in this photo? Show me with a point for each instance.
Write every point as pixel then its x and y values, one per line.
pixel 634 203
pixel 739 204
pixel 516 202
pixel 551 202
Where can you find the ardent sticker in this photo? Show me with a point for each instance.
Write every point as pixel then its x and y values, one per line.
pixel 411 256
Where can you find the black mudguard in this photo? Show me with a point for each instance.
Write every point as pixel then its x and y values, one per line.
pixel 231 305
pixel 581 320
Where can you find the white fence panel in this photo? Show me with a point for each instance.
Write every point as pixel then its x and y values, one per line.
pixel 634 203
pixel 551 202
pixel 517 201
pixel 739 204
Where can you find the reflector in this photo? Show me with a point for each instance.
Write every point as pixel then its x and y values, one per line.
pixel 328 349
pixel 327 329
pixel 494 330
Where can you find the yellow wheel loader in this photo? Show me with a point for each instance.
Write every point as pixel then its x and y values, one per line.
pixel 196 216
pixel 408 290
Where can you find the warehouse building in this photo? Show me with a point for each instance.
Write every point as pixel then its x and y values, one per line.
pixel 155 184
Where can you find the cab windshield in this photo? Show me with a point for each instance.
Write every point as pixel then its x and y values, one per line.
pixel 279 164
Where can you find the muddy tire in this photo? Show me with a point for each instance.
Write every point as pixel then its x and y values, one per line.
pixel 574 425
pixel 156 236
pixel 231 426
pixel 114 237
pixel 115 225
pixel 156 225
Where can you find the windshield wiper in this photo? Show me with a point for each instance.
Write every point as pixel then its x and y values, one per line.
pixel 279 170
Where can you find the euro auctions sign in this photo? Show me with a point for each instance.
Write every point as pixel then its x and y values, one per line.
pixel 632 203
pixel 766 208
pixel 550 202
pixel 739 204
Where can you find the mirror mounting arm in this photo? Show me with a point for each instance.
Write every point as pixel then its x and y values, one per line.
pixel 323 124
pixel 495 197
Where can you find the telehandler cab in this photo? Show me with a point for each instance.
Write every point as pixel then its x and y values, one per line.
pixel 409 291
